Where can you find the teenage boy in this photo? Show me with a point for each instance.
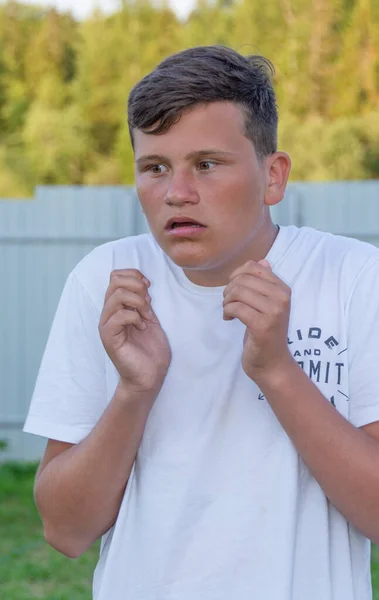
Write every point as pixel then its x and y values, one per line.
pixel 210 391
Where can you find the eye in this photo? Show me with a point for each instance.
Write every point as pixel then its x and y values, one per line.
pixel 156 169
pixel 206 165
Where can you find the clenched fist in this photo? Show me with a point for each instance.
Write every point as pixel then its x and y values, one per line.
pixel 261 301
pixel 131 333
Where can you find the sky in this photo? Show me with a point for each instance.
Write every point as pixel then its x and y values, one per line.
pixel 81 8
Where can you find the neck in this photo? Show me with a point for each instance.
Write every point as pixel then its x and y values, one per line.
pixel 257 249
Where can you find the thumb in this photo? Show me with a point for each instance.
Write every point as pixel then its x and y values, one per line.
pixel 265 263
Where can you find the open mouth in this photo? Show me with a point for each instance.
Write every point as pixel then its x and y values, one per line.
pixel 176 225
pixel 183 228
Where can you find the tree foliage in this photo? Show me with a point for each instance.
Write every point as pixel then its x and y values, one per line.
pixel 64 83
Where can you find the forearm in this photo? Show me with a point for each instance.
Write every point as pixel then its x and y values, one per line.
pixel 343 459
pixel 80 491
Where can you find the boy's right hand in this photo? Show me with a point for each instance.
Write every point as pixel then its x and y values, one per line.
pixel 131 332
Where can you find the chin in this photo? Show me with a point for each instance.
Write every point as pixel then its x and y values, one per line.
pixel 186 259
pixel 188 262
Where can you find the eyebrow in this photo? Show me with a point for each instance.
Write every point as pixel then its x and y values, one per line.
pixel 196 154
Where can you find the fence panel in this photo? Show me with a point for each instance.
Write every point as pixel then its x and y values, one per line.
pixel 41 240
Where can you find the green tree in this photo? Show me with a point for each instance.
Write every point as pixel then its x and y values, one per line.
pixel 356 86
pixel 323 48
pixel 18 23
pixel 100 89
pixel 64 84
pixel 124 155
pixel 56 144
pixel 51 54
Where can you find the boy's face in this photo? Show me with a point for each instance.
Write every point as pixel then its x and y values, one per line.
pixel 205 169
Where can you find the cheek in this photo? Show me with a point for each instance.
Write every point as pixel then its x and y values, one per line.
pixel 250 184
pixel 250 195
pixel 149 194
pixel 236 198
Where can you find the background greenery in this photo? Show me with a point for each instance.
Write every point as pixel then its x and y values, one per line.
pixel 29 568
pixel 64 84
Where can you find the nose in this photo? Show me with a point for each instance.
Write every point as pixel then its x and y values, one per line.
pixel 181 190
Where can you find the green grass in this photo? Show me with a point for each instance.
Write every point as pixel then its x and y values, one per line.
pixel 375 571
pixel 29 568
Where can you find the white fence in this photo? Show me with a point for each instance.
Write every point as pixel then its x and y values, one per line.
pixel 42 239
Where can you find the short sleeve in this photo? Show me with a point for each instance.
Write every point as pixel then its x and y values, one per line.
pixel 70 391
pixel 363 346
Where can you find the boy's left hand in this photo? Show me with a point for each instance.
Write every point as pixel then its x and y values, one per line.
pixel 262 302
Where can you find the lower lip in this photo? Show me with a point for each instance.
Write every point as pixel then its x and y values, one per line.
pixel 185 231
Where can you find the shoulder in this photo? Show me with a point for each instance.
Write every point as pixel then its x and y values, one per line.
pixel 346 257
pixel 135 252
pixel 333 265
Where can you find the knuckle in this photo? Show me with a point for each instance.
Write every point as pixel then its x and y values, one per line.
pixel 119 274
pixel 235 307
pixel 118 293
pixel 238 289
pixel 286 297
pixel 114 275
pixel 115 282
pixel 141 286
pixel 140 302
pixel 282 297
pixel 121 296
pixel 234 290
pixel 121 293
pixel 227 307
pixel 124 287
pixel 134 273
pixel 137 286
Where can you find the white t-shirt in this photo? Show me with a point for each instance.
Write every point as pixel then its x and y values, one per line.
pixel 219 504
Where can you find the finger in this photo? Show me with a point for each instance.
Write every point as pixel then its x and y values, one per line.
pixel 121 319
pixel 128 273
pixel 129 300
pixel 247 315
pixel 265 263
pixel 253 283
pixel 127 282
pixel 260 270
pixel 132 273
pixel 251 298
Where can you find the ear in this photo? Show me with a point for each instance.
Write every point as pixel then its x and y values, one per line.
pixel 278 167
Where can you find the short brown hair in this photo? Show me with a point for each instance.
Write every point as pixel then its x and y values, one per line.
pixel 202 75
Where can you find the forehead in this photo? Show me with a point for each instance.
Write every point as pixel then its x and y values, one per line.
pixel 218 125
